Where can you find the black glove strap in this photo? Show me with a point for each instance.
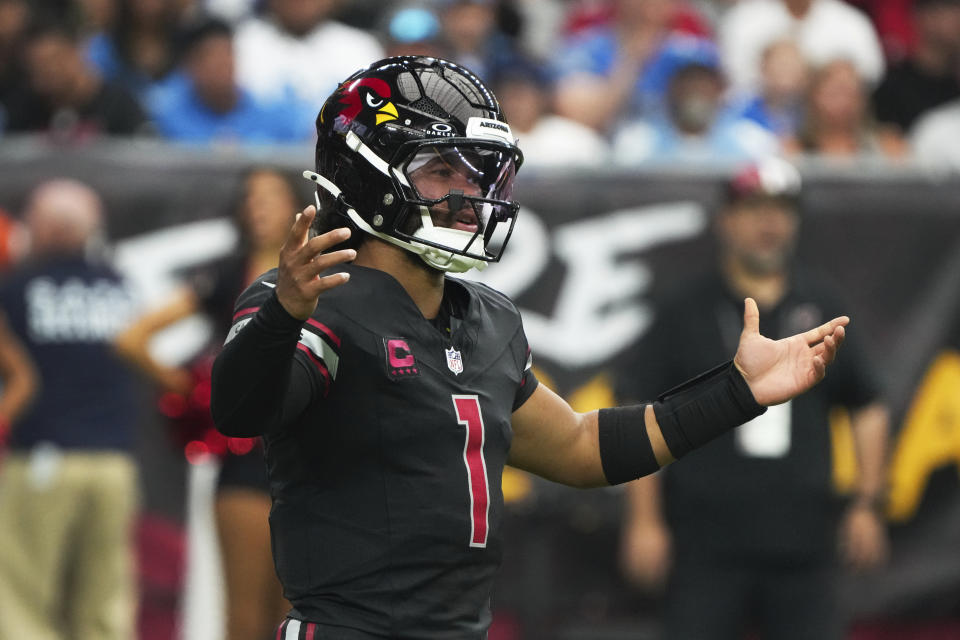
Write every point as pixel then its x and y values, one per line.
pixel 705 407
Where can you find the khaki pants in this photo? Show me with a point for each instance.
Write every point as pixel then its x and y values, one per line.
pixel 66 554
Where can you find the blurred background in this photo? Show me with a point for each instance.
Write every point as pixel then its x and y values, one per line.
pixel 159 142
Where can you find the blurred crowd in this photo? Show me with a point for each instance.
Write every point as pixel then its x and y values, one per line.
pixel 590 82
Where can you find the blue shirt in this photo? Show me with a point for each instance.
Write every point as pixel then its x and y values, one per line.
pixel 596 52
pixel 102 54
pixel 179 114
pixel 66 312
pixel 729 139
pixel 782 122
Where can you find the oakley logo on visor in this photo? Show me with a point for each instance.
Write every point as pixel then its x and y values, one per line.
pixel 488 129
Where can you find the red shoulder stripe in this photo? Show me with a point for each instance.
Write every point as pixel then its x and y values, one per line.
pixel 326 331
pixel 318 364
pixel 245 312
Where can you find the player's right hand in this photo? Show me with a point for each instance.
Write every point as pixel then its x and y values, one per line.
pixel 302 259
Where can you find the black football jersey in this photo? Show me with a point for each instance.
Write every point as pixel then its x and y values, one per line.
pixel 387 503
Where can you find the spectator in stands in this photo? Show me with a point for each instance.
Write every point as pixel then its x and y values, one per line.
pixel 837 121
pixel 542 21
pixel 96 16
pixel 546 139
pixel 685 17
pixel 930 76
pixel 65 96
pixel 935 135
pixel 695 128
pixel 620 70
pixel 713 10
pixel 140 48
pixel 69 485
pixel 891 18
pixel 14 18
pixel 268 202
pixel 412 30
pixel 759 544
pixel 825 30
pixel 232 11
pixel 296 51
pixel 470 36
pixel 205 104
pixel 784 77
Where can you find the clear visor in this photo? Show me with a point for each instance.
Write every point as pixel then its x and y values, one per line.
pixel 464 186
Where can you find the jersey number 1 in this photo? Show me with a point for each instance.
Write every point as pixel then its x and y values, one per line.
pixel 468 414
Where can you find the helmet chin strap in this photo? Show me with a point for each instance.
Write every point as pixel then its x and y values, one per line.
pixel 437 258
pixel 447 260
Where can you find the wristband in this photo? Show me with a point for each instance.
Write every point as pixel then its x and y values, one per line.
pixel 705 407
pixel 625 449
pixel 272 318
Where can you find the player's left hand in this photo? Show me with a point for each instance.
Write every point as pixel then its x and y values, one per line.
pixel 302 259
pixel 863 538
pixel 777 370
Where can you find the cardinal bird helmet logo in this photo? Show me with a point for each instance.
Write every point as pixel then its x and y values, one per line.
pixel 368 101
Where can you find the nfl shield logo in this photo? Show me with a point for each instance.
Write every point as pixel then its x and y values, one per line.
pixel 454 361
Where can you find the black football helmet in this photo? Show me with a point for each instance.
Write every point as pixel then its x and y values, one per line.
pixel 416 152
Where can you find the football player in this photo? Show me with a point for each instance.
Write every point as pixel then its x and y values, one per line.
pixel 390 395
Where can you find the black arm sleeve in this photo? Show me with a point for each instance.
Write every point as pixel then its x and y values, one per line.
pixel 258 386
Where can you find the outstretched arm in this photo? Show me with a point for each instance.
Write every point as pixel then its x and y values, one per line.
pixel 598 448
pixel 257 384
pixel 555 442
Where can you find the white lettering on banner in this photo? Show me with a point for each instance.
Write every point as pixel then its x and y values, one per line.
pixel 598 312
pixel 526 257
pixel 75 311
pixel 154 263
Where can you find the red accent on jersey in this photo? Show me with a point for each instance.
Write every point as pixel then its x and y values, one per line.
pixel 468 414
pixel 318 364
pixel 398 351
pixel 326 331
pixel 245 312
